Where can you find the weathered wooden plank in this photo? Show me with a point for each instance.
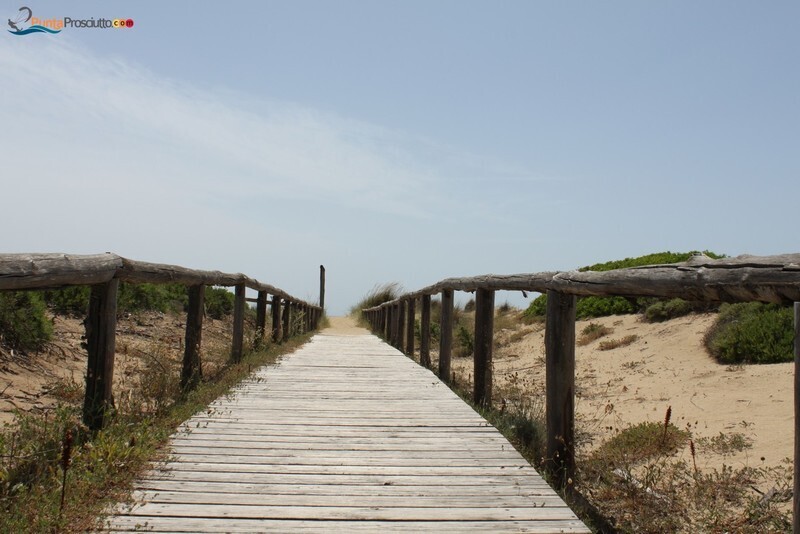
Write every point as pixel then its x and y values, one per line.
pixel 247 488
pixel 238 525
pixel 410 324
pixel 446 335
pixel 560 386
pixel 796 499
pixel 237 345
pixel 101 325
pixel 484 336
pixel 425 332
pixel 345 500
pixel 354 513
pixel 192 370
pixel 41 271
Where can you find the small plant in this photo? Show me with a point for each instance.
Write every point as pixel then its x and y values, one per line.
pixel 465 340
pixel 24 324
pixel 665 310
pixel 218 302
pixel 71 301
pixel 592 332
pixel 616 343
pixel 726 444
pixel 752 332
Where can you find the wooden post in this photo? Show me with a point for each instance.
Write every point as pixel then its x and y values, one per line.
pixel 192 371
pixel 560 386
pixel 101 326
pixel 322 287
pixel 277 331
pixel 401 325
pixel 425 332
pixel 239 303
pixel 412 303
pixel 796 497
pixel 446 335
pixel 484 332
pixel 261 317
pixel 287 319
pixel 389 324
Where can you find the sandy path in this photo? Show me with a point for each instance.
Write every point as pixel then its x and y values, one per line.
pixel 344 326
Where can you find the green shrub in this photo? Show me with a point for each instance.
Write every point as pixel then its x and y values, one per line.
pixel 752 332
pixel 219 302
pixel 73 300
pixel 670 309
pixel 590 307
pixel 657 258
pixel 23 321
pixel 465 341
pixel 152 297
pixel 537 307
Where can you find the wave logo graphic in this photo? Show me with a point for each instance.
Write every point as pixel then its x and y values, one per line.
pixel 24 16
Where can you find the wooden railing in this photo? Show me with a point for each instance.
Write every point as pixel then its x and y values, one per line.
pixel 742 279
pixel 103 272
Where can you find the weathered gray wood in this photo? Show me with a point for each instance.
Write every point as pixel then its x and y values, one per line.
pixel 277 329
pixel 410 323
pixel 173 525
pixel 192 370
pixel 237 346
pixel 446 335
pixel 373 442
pixel 261 316
pixel 101 325
pixel 322 287
pixel 388 324
pixel 425 332
pixel 287 319
pixel 41 271
pixel 401 326
pixel 796 498
pixel 484 339
pixel 560 386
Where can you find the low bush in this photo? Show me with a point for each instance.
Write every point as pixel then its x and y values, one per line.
pixel 72 301
pixel 752 332
pixel 219 302
pixel 152 297
pixel 592 332
pixel 665 310
pixel 23 320
pixel 616 343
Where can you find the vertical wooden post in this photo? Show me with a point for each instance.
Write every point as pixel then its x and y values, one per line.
pixel 239 304
pixel 796 497
pixel 261 317
pixel 401 325
pixel 560 386
pixel 446 335
pixel 425 332
pixel 277 331
pixel 484 335
pixel 389 324
pixel 287 319
pixel 322 287
pixel 192 371
pixel 412 313
pixel 101 325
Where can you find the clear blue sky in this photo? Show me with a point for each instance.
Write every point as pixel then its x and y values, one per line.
pixel 401 141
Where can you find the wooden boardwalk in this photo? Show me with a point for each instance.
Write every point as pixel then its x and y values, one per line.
pixel 345 434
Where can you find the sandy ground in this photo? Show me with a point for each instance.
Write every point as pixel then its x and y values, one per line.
pixel 38 381
pixel 666 366
pixel 344 326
